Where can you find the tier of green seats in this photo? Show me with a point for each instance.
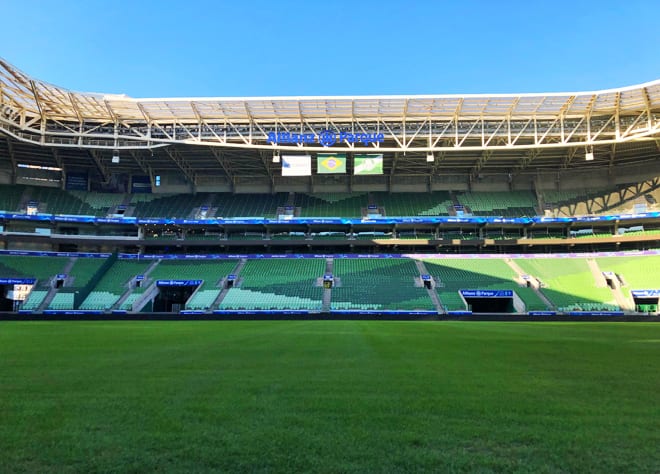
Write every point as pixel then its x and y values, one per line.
pixel 139 198
pixel 82 272
pixel 507 204
pixel 373 284
pixel 329 236
pixel 99 202
pixel 57 201
pixel 601 235
pixel 34 299
pixel 102 300
pixel 127 304
pixel 278 284
pixel 331 205
pixel 546 234
pixel 62 300
pixel 177 206
pixel 372 235
pixel 531 299
pixel 574 202
pixel 412 234
pixel 639 273
pixel 249 205
pixel 569 283
pixel 414 204
pixel 503 234
pixel 556 197
pixel 41 268
pixel 637 233
pixel 202 299
pixel 246 236
pixel 114 283
pixel 477 274
pixel 378 284
pixel 10 197
pixel 241 298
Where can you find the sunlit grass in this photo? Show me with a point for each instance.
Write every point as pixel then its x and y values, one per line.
pixel 329 396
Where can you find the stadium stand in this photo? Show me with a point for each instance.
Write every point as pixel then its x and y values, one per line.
pixel 41 268
pixel 10 197
pixel 113 284
pixel 169 206
pixel 249 205
pixel 635 272
pixel 453 275
pixel 79 277
pixel 278 284
pixel 331 205
pixel 379 284
pixel 569 284
pixel 414 204
pixel 209 271
pixel 507 204
pixel 446 174
pixel 558 283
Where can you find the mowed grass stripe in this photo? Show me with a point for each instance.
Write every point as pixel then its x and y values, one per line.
pixel 329 396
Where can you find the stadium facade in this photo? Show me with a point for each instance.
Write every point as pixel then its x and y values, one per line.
pixel 122 179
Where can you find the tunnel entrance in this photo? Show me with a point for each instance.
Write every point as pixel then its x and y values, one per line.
pixel 489 301
pixel 173 294
pixel 646 301
pixel 13 292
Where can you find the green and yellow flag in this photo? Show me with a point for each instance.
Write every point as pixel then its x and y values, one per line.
pixel 331 163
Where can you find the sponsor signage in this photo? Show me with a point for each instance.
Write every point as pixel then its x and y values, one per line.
pixel 329 220
pixel 324 138
pixel 487 293
pixel 17 281
pixel 296 165
pixel 645 293
pixel 178 282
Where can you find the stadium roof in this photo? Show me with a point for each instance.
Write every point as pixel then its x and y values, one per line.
pixel 232 140
pixel 38 97
pixel 438 121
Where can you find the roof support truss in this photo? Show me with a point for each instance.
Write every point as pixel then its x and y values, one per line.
pixel 36 112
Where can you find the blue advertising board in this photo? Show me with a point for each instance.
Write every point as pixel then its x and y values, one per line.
pixel 487 293
pixel 645 293
pixel 178 282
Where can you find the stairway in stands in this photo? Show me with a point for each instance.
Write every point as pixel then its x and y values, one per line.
pixel 432 293
pixel 236 271
pixel 327 292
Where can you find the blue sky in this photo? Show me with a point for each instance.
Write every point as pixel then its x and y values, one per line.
pixel 260 48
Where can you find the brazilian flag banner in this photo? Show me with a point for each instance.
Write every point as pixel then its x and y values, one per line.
pixel 331 163
pixel 368 164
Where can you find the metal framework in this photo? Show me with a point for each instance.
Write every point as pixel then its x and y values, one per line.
pixel 36 112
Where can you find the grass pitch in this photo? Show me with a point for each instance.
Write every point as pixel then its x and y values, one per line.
pixel 329 396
